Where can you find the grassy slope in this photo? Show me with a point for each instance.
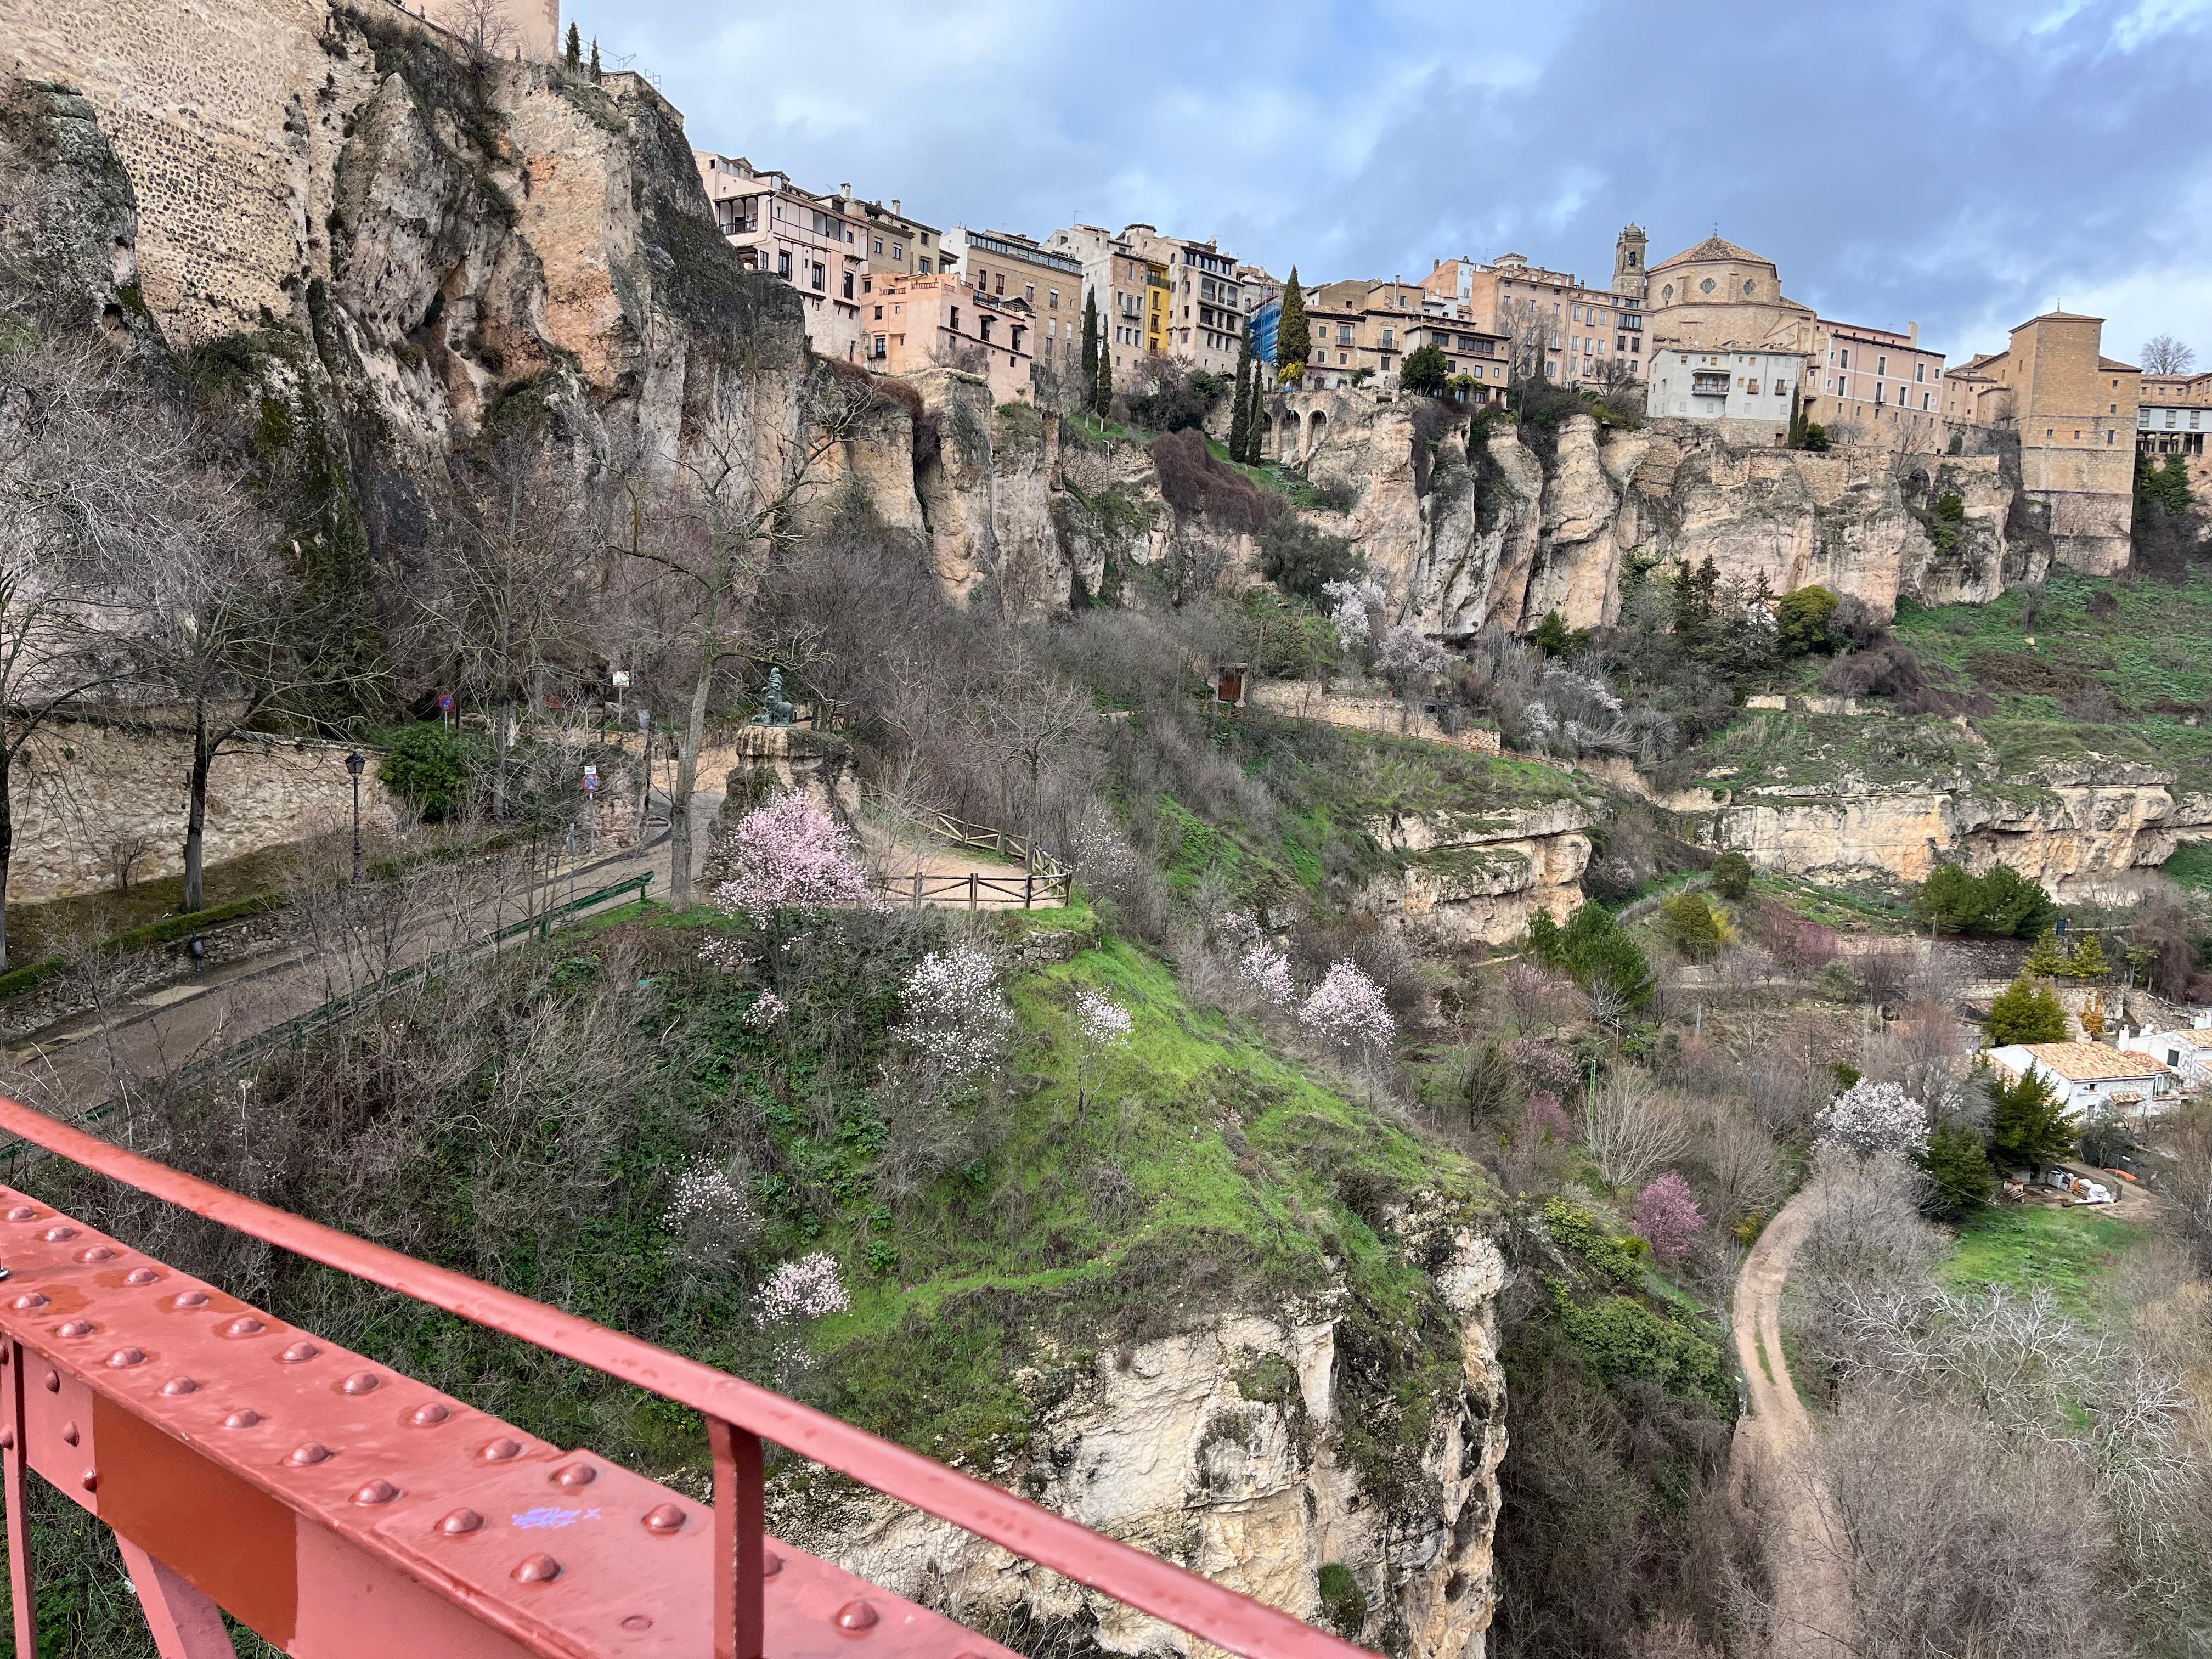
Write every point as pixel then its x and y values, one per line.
pixel 2068 1252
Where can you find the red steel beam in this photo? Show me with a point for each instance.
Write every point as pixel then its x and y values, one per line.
pixel 1212 1612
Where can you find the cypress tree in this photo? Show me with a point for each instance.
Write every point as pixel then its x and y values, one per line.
pixel 595 58
pixel 1293 337
pixel 1090 339
pixel 1256 420
pixel 1102 388
pixel 574 57
pixel 1240 420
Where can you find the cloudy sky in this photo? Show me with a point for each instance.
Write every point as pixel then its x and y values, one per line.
pixel 1962 163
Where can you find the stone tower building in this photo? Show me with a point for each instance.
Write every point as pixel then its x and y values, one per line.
pixel 1628 263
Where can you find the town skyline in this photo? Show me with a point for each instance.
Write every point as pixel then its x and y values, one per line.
pixel 1970 187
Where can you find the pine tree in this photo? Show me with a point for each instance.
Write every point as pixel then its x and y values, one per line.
pixel 574 57
pixel 1294 336
pixel 2027 1124
pixel 2087 960
pixel 2046 957
pixel 2026 1011
pixel 1959 1178
pixel 1102 388
pixel 595 58
pixel 1091 338
pixel 1240 418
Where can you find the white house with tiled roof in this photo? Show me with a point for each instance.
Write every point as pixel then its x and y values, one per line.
pixel 2186 1052
pixel 2086 1074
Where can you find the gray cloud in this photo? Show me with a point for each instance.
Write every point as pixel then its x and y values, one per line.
pixel 1959 164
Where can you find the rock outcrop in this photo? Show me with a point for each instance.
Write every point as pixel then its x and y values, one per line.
pixel 1463 878
pixel 1221 1449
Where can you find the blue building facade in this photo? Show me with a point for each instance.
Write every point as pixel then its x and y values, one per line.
pixel 1264 323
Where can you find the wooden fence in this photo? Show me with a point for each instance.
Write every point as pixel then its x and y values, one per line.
pixel 980 892
pixel 979 838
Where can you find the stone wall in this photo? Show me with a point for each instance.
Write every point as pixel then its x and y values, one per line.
pixel 1304 700
pixel 87 795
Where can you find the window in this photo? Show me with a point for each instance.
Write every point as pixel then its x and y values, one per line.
pixel 983 329
pixel 1344 334
pixel 1389 338
pixel 925 267
pixel 956 319
pixel 898 253
pixel 848 284
pixel 1881 365
pixel 999 282
pixel 1843 387
pixel 879 314
pixel 783 265
pixel 1029 292
pixel 878 246
pixel 821 277
pixel 1920 371
pixel 1052 298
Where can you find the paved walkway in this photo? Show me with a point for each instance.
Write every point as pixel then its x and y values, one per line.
pixel 76 1063
pixel 1778 1444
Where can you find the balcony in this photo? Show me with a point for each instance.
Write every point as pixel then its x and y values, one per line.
pixel 1709 386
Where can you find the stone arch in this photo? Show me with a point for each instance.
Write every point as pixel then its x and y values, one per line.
pixel 1267 435
pixel 1315 422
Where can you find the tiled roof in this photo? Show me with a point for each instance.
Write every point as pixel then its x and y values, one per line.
pixel 2091 1062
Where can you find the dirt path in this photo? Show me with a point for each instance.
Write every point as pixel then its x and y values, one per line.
pixel 1777 1443
pixel 901 852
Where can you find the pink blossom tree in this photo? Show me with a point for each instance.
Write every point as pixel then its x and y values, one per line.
pixel 789 858
pixel 1666 1213
pixel 793 1296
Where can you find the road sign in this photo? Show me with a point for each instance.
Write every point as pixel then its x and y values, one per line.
pixel 445 702
pixel 590 781
pixel 621 678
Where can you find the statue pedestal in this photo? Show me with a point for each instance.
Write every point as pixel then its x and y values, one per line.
pixel 772 759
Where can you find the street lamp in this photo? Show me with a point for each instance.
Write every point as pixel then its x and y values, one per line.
pixel 354 764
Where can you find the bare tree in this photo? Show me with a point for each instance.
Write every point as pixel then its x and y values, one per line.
pixel 1528 331
pixel 1632 1129
pixel 2162 354
pixel 1026 719
pixel 98 486
pixel 482 27
pixel 735 510
pixel 498 609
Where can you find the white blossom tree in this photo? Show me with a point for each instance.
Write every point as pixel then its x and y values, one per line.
pixel 1870 1118
pixel 1347 1012
pixel 1101 1026
pixel 957 1021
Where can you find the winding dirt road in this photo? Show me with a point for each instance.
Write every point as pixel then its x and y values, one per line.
pixel 1777 1446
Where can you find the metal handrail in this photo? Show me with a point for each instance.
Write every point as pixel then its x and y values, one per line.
pixel 1211 1612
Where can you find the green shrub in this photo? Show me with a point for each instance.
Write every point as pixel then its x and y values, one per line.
pixel 1801 620
pixel 1426 370
pixel 2027 1124
pixel 427 767
pixel 1732 877
pixel 1688 921
pixel 1959 1178
pixel 1592 948
pixel 1622 1341
pixel 1299 557
pixel 1343 1603
pixel 1576 1232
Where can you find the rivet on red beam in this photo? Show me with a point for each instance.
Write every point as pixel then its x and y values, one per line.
pixel 53 1380
pixel 190 1299
pixel 307 1457
pixel 56 1235
pixel 423 1417
pixel 123 1359
pixel 29 1302
pixel 637 1621
pixel 177 1385
pixel 75 1328
pixel 141 1276
pixel 95 1252
pixel 23 1213
pixel 460 1522
pixel 500 1450
pixel 296 1352
pixel 361 1382
pixel 7 1439
pixel 243 1419
pixel 244 1325
pixel 537 1570
pixel 667 1518
pixel 70 1435
pixel 91 1480
pixel 576 1474
pixel 376 1492
pixel 771 1563
pixel 855 1617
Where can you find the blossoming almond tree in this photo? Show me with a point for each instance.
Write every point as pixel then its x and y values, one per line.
pixel 790 858
pixel 1102 1025
pixel 957 1020
pixel 1667 1214
pixel 1348 1012
pixel 1869 1117
pixel 795 1294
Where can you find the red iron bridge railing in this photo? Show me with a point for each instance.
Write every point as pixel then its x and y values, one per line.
pixel 342 1510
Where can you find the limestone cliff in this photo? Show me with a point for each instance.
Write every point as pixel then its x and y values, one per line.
pixel 1222 1448
pixel 1846 797
pixel 1463 878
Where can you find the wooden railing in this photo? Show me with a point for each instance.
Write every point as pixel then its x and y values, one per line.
pixel 980 892
pixel 980 838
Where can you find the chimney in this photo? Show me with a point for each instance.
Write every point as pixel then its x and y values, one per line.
pixel 895 207
pixel 1912 332
pixel 844 190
